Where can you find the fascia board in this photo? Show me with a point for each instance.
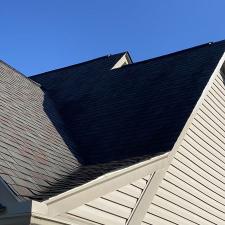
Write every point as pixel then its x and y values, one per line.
pixel 196 108
pixel 107 183
pixel 45 220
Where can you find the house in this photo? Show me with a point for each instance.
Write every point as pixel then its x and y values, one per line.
pixel 113 142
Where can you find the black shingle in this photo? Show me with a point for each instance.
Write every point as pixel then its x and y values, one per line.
pixel 135 110
pixel 121 116
pixel 86 120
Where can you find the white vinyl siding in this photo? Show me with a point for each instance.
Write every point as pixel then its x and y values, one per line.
pixel 113 208
pixel 193 189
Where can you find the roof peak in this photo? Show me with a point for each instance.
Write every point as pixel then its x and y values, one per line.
pixel 82 63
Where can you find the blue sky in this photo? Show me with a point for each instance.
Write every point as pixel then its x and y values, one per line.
pixel 42 35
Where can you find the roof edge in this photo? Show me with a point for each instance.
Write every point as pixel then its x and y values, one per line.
pixel 20 73
pixel 217 69
pixel 78 64
pixel 170 54
pixel 104 184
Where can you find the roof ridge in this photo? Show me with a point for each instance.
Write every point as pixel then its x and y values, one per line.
pixel 17 71
pixel 78 64
pixel 169 54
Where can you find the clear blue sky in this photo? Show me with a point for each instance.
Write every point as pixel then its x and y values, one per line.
pixel 41 35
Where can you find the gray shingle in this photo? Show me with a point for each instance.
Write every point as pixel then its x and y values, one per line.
pixel 25 120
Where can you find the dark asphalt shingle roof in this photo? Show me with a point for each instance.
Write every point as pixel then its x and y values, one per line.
pixel 81 72
pixel 105 119
pixel 135 110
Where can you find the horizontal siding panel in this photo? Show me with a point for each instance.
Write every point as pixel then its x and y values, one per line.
pixel 203 162
pixel 200 168
pixel 92 214
pixel 140 183
pixel 156 219
pixel 76 220
pixel 217 94
pixel 131 190
pixel 218 88
pixel 212 134
pixel 144 223
pixel 165 216
pixel 193 181
pixel 209 143
pixel 211 126
pixel 147 177
pixel 210 108
pixel 212 103
pixel 178 208
pixel 212 112
pixel 211 139
pixel 197 203
pixel 215 103
pixel 108 206
pixel 212 120
pixel 201 144
pixel 194 190
pixel 197 181
pixel 121 198
pixel 220 77
pixel 219 83
pixel 205 152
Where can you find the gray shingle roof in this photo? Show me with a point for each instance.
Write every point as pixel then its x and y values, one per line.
pixel 105 119
pixel 33 153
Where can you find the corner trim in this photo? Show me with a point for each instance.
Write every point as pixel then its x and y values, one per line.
pixel 147 196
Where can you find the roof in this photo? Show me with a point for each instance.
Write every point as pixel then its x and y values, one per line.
pixel 86 120
pixel 53 79
pixel 34 148
pixel 135 110
pixel 69 88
